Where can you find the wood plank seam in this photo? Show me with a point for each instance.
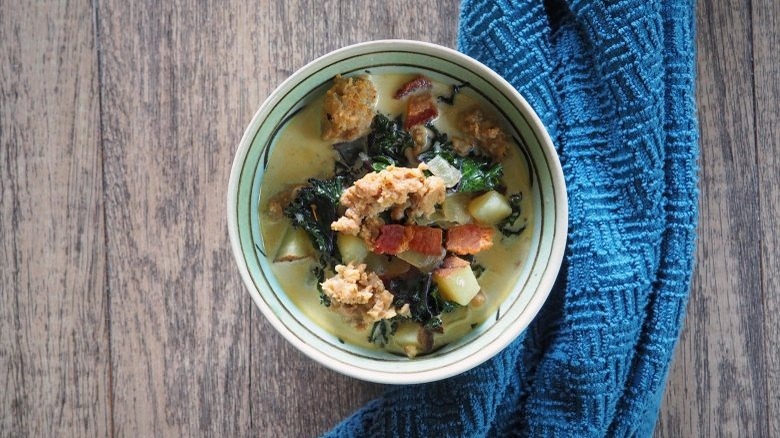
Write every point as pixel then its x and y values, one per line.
pixel 760 39
pixel 107 284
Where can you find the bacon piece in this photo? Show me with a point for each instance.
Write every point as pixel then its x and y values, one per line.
pixel 426 240
pixel 469 239
pixel 393 239
pixel 420 108
pixel 417 84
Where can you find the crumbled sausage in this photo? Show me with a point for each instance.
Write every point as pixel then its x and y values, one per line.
pixel 359 295
pixel 485 132
pixel 349 108
pixel 403 191
pixel 462 146
pixel 419 135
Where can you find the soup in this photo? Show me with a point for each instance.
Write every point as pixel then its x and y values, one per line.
pixel 393 208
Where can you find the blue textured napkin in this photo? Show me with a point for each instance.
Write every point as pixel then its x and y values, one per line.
pixel 614 84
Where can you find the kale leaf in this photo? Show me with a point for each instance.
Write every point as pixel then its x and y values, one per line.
pixel 507 226
pixel 314 209
pixel 384 146
pixel 388 141
pixel 319 273
pixel 382 330
pixel 478 173
pixel 425 303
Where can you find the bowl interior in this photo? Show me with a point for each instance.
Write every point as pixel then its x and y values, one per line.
pixel 547 193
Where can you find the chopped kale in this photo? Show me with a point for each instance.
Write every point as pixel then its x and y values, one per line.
pixel 319 273
pixel 381 331
pixel 479 173
pixel 378 333
pixel 446 306
pixel 388 141
pixel 384 146
pixel 380 163
pixel 478 269
pixel 425 304
pixel 439 138
pixel 507 226
pixel 314 209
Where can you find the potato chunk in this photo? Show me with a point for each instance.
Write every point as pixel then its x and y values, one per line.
pixel 455 208
pixel 456 281
pixel 296 245
pixel 490 208
pixel 352 248
pixel 413 339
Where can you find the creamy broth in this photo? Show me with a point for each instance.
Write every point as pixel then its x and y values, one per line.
pixel 300 154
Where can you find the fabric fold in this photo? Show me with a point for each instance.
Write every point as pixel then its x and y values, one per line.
pixel 614 84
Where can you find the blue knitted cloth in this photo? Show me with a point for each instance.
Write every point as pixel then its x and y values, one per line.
pixel 614 83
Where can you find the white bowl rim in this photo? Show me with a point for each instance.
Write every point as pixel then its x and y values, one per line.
pixel 548 278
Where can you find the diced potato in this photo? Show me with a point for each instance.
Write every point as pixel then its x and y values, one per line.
pixel 295 245
pixel 423 262
pixel 413 339
pixel 386 266
pixel 455 208
pixel 490 208
pixel 457 284
pixel 352 248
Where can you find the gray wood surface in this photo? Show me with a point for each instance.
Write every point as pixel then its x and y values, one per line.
pixel 766 41
pixel 719 384
pixel 121 312
pixel 54 345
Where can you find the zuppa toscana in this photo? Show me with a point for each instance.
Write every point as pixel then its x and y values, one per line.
pixel 393 206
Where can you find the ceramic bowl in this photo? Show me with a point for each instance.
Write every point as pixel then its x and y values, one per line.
pixel 548 195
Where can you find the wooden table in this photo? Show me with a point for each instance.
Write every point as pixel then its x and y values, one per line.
pixel 121 310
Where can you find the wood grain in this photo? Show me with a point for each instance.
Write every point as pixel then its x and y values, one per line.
pixel 766 40
pixel 718 381
pixel 291 395
pixel 178 84
pixel 136 323
pixel 54 367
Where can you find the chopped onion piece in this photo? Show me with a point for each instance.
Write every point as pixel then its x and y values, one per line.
pixel 444 170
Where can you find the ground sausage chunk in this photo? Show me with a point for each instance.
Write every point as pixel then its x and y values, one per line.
pixel 405 192
pixel 485 133
pixel 348 108
pixel 359 295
